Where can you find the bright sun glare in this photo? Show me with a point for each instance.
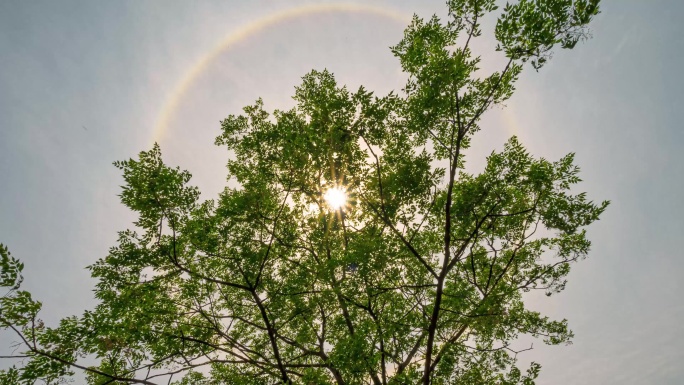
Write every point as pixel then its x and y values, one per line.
pixel 336 197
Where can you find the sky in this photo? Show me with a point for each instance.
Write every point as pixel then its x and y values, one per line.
pixel 83 84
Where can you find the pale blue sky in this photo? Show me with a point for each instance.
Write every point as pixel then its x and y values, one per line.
pixel 84 83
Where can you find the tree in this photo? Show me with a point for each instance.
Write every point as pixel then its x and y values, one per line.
pixel 417 278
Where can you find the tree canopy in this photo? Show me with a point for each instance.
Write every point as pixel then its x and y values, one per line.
pixel 416 274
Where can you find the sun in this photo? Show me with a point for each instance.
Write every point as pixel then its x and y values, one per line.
pixel 336 198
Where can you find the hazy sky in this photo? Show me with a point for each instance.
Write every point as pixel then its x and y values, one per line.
pixel 85 83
